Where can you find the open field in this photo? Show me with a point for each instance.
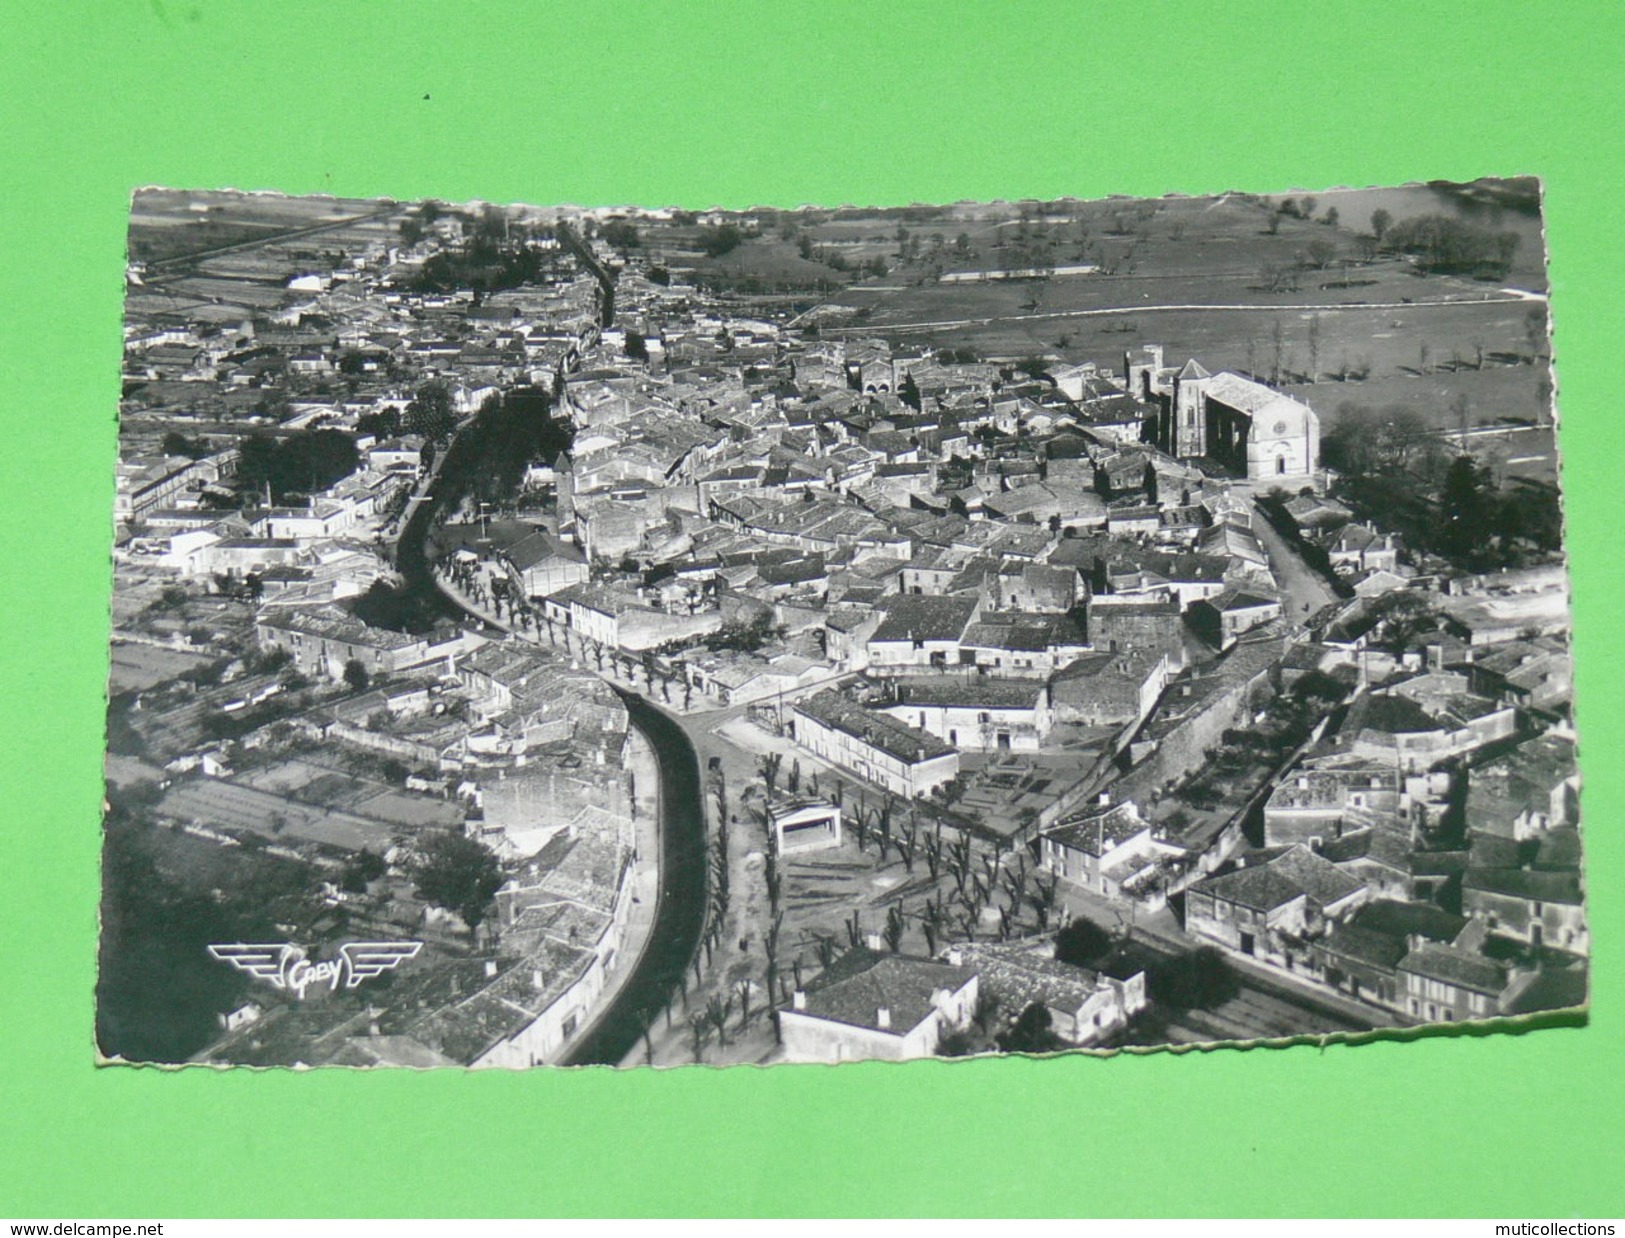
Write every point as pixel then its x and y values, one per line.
pixel 167 224
pixel 252 293
pixel 236 807
pixel 1495 395
pixel 1190 273
pixel 769 259
pixel 139 667
pixel 262 265
pixel 1422 352
pixel 1226 233
pixel 1390 340
pixel 1385 282
pixel 320 786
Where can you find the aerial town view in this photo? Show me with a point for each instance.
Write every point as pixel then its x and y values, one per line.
pixel 559 636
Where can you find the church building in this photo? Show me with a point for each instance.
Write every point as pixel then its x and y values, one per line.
pixel 1242 424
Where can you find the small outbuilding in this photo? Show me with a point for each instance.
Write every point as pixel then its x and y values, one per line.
pixel 806 825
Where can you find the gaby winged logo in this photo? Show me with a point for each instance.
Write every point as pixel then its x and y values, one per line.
pixel 284 965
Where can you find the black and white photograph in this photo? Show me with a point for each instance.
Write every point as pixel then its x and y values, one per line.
pixel 558 636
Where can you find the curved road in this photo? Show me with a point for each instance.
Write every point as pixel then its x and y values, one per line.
pixel 680 907
pixel 679 915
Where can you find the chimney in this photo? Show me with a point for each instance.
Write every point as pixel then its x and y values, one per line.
pixel 799 1000
pixel 1104 799
pixel 883 1018
pixel 955 958
pixel 490 968
pixel 538 980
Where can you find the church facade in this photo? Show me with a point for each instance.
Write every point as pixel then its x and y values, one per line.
pixel 1244 425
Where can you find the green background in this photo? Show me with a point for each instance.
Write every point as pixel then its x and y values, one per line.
pixel 737 104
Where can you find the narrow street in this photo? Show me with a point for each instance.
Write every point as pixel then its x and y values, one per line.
pixel 1303 590
pixel 672 876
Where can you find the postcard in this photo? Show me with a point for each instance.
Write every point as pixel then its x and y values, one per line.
pixel 558 636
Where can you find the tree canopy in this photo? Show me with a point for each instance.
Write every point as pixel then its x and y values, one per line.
pixel 1199 980
pixel 1032 1032
pixel 355 674
pixel 386 423
pixel 723 239
pixel 301 463
pixel 430 413
pixel 487 262
pixel 621 234
pixel 177 444
pixel 1082 943
pixel 1442 243
pixel 1468 507
pixel 457 873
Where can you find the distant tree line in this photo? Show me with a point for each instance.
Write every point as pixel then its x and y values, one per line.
pixel 722 239
pixel 621 235
pixel 1398 472
pixel 1446 245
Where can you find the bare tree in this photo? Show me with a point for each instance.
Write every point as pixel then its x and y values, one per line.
pixel 933 852
pixel 885 836
pixel 1046 899
pixel 646 1020
pixel 893 932
pixel 769 767
pixel 716 1014
pixel 959 862
pixel 908 845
